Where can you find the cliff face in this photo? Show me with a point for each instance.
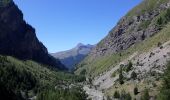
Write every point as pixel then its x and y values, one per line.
pixel 18 39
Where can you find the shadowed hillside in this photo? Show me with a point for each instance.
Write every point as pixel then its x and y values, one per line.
pixel 18 38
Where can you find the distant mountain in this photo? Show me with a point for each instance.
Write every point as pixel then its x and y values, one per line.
pixel 18 38
pixel 71 57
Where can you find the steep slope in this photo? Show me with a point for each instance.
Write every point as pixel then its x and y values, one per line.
pixel 129 63
pixel 145 73
pixel 18 39
pixel 72 57
pixel 141 23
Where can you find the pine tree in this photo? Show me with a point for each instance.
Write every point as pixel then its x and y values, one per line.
pixel 121 77
pixel 116 95
pixel 133 75
pixel 129 67
pixel 135 91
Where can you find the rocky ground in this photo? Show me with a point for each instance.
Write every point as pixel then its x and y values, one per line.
pixel 93 93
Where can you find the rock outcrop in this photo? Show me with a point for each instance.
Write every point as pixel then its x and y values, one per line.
pixel 131 29
pixel 18 38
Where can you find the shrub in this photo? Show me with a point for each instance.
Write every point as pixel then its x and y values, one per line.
pixel 160 21
pixel 128 97
pixel 143 36
pixel 165 90
pixel 133 75
pixel 135 91
pixel 159 44
pixel 116 95
pixel 113 74
pixel 145 95
pixel 129 67
pixel 144 24
pixel 125 96
pixel 83 72
pixel 121 77
pixel 164 18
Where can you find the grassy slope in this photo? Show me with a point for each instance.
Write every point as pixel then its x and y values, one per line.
pixel 146 6
pixel 102 64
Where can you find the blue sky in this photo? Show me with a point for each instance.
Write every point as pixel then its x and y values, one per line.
pixel 62 24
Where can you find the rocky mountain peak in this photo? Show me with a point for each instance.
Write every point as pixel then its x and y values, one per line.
pixel 80 44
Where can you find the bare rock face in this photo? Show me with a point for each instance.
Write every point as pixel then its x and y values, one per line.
pixel 18 39
pixel 128 31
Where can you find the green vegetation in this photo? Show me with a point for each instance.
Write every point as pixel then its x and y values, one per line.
pixel 102 64
pixel 129 66
pixel 122 96
pixel 83 72
pixel 146 6
pixel 125 96
pixel 24 79
pixel 67 94
pixel 163 18
pixel 144 24
pixel 114 74
pixel 135 91
pixel 128 97
pixel 121 77
pixel 94 67
pixel 133 75
pixel 145 95
pixel 165 90
pixel 116 94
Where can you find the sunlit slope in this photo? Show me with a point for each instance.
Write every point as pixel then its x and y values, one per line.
pixel 136 32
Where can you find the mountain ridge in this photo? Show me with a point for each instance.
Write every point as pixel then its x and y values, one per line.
pixel 131 60
pixel 73 56
pixel 136 26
